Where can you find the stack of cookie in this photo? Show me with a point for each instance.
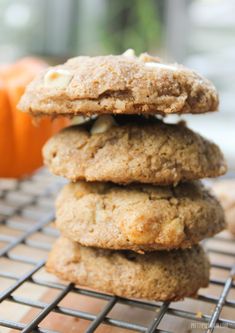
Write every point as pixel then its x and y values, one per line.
pixel 134 212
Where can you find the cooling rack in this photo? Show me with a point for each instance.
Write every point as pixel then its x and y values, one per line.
pixel 32 300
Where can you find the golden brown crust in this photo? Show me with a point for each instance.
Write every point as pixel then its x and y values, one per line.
pixel 119 84
pixel 225 192
pixel 158 276
pixel 148 152
pixel 137 217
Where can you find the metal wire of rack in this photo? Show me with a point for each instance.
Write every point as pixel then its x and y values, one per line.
pixel 26 235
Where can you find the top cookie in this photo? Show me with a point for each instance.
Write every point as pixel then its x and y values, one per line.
pixel 123 84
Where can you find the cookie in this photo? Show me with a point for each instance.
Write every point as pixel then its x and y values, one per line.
pixel 137 217
pixel 132 150
pixel 225 192
pixel 118 84
pixel 160 276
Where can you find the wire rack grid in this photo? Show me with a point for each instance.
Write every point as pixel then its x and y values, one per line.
pixel 26 236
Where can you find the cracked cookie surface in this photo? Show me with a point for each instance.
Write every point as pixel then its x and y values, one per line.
pixel 137 217
pixel 134 150
pixel 159 276
pixel 118 84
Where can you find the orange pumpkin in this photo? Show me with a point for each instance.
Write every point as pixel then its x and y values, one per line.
pixel 20 141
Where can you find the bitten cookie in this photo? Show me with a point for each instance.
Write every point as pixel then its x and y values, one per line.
pixel 132 149
pixel 138 217
pixel 160 276
pixel 118 84
pixel 225 192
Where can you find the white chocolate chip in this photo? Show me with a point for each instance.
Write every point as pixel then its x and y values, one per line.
pixel 130 53
pixel 119 104
pixel 103 124
pixel 57 78
pixel 159 65
pixel 145 57
pixel 78 120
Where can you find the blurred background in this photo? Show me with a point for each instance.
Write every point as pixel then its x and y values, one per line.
pixel 197 33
